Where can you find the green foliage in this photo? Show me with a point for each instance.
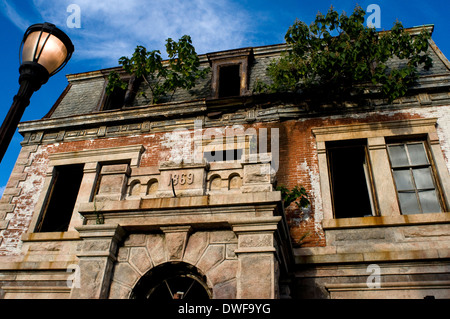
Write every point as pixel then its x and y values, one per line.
pixel 296 193
pixel 339 57
pixel 163 79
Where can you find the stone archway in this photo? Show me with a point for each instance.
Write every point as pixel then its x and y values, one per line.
pixel 172 280
pixel 205 256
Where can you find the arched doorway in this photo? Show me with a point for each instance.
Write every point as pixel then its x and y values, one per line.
pixel 172 281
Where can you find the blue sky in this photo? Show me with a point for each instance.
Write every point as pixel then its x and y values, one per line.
pixel 112 28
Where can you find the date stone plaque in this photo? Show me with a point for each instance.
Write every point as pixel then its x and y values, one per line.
pixel 182 179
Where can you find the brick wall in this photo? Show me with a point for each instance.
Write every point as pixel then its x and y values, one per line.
pixel 18 199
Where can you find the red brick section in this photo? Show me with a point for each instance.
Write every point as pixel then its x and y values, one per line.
pixel 297 151
pixel 16 206
pixel 297 162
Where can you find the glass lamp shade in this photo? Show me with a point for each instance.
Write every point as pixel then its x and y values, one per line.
pixel 46 45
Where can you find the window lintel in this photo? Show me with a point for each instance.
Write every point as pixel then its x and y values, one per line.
pixel 375 129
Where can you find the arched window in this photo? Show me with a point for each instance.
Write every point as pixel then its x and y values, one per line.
pixel 172 281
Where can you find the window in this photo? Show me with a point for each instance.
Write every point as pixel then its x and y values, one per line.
pixel 120 98
pixel 115 100
pixel 230 72
pixel 62 198
pixel 350 179
pixel 414 178
pixel 404 169
pixel 230 80
pixel 222 156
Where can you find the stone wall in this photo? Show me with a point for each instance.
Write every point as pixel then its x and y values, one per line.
pixel 212 253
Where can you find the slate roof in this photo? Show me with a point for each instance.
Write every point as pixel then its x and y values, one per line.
pixel 85 91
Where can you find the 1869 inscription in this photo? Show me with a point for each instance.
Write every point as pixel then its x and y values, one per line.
pixel 181 179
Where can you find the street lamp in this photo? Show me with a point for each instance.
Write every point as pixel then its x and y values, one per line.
pixel 44 51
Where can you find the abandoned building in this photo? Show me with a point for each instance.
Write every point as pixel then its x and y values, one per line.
pixel 179 199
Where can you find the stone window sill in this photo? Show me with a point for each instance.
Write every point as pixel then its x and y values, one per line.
pixel 53 236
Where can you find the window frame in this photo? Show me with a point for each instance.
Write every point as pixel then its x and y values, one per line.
pixel 430 164
pixel 377 133
pixel 92 160
pixel 45 215
pixel 110 103
pixel 128 93
pixel 241 57
pixel 370 183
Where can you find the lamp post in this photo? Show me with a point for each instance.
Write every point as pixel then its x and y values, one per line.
pixel 45 50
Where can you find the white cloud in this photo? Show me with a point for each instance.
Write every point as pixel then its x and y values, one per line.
pixel 11 13
pixel 113 28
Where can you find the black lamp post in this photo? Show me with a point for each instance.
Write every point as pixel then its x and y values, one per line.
pixel 45 50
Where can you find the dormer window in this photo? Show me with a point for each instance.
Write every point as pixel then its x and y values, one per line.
pixel 230 80
pixel 120 97
pixel 230 72
pixel 115 100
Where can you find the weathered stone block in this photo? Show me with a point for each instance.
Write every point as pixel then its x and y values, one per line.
pixel 4 224
pixel 135 240
pixel 124 273
pixel 175 240
pixel 119 291
pixel 224 271
pixel 12 191
pixel 256 276
pixel 227 290
pixel 156 248
pixel 140 259
pixel 111 184
pixel 212 256
pixel 7 208
pixel 256 240
pixel 196 246
pixel 95 245
pixel 115 169
pixel 91 279
pixel 123 253
pixel 415 232
pixel 226 236
pixel 230 251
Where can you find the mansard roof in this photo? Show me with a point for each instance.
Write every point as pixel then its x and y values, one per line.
pixel 85 93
